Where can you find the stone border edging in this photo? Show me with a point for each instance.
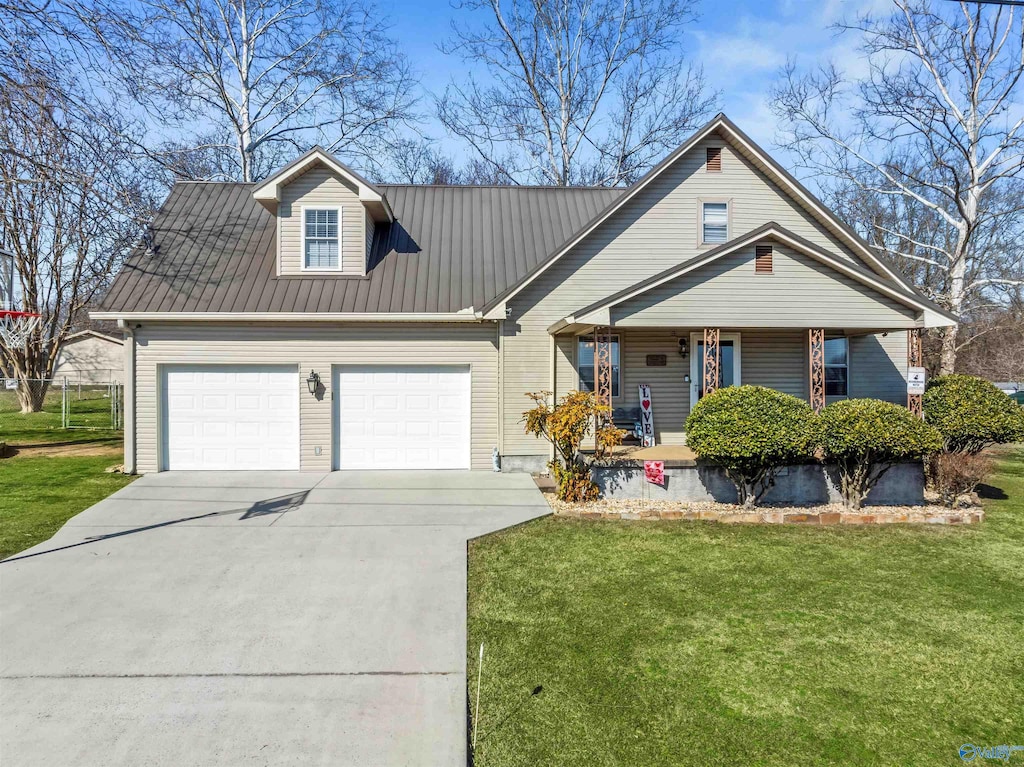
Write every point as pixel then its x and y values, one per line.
pixel 877 516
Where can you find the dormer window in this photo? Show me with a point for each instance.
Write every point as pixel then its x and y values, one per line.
pixel 321 238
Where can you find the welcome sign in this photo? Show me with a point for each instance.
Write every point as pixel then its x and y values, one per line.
pixel 646 416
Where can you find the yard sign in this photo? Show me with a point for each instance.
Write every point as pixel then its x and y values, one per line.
pixel 646 416
pixel 915 380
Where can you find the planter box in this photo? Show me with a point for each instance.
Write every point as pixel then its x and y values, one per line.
pixel 798 485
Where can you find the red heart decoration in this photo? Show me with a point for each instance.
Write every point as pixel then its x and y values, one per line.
pixel 646 404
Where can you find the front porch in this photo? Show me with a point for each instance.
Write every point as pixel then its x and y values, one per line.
pixel 679 365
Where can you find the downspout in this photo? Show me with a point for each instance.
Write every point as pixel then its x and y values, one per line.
pixel 500 447
pixel 129 396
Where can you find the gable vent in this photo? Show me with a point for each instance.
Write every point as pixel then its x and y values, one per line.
pixel 714 159
pixel 763 259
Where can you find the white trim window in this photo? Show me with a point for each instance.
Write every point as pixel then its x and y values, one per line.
pixel 321 240
pixel 837 366
pixel 715 223
pixel 585 364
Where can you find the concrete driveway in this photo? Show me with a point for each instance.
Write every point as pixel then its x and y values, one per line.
pixel 250 618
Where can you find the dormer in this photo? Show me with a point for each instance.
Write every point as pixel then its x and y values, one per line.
pixel 326 214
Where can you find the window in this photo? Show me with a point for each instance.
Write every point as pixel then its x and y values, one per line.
pixel 714 159
pixel 763 259
pixel 716 222
pixel 321 238
pixel 585 364
pixel 837 367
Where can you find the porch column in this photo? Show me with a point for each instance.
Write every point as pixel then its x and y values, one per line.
pixel 712 360
pixel 915 359
pixel 602 375
pixel 816 348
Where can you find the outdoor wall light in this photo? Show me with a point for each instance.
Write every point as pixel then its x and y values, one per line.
pixel 683 350
pixel 313 382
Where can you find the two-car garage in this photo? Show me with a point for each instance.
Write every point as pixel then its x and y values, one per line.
pixel 250 417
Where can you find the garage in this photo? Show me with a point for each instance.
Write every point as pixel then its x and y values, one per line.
pixel 230 417
pixel 403 417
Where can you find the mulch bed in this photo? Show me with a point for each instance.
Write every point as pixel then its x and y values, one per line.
pixel 831 514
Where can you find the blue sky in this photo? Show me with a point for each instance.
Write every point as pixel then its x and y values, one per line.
pixel 741 50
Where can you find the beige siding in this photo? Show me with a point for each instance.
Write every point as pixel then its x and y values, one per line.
pixel 318 347
pixel 727 292
pixel 654 231
pixel 320 187
pixel 878 366
pixel 90 360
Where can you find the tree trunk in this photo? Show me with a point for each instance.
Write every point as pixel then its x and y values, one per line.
pixel 31 394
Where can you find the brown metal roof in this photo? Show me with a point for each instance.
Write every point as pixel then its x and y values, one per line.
pixel 449 248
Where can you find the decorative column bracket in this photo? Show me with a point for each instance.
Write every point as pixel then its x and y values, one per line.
pixel 816 347
pixel 712 360
pixel 915 359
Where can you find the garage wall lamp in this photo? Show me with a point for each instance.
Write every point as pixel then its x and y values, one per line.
pixel 313 382
pixel 683 350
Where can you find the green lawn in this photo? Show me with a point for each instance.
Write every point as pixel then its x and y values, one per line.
pixel 705 644
pixel 38 495
pixel 89 414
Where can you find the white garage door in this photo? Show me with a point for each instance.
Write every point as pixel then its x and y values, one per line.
pixel 231 417
pixel 403 417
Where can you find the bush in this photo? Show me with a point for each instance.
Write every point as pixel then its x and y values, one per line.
pixel 565 425
pixel 972 414
pixel 957 474
pixel 864 438
pixel 750 431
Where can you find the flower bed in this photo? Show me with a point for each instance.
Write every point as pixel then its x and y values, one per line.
pixel 829 514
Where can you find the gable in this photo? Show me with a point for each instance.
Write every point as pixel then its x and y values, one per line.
pixel 659 228
pixel 728 292
pixel 756 186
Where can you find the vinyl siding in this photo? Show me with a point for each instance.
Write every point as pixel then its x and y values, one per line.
pixel 317 347
pixel 320 187
pixel 90 360
pixel 655 230
pixel 878 367
pixel 727 292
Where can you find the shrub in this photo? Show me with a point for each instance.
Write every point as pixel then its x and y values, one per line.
pixel 957 474
pixel 972 414
pixel 565 425
pixel 750 431
pixel 866 437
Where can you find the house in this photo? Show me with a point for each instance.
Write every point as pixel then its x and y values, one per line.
pixel 90 357
pixel 317 321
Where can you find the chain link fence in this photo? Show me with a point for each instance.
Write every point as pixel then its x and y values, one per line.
pixel 38 411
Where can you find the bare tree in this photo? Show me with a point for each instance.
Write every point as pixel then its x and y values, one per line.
pixel 251 81
pixel 576 91
pixel 419 162
pixel 933 130
pixel 66 213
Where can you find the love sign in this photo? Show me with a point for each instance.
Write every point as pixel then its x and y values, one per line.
pixel 646 417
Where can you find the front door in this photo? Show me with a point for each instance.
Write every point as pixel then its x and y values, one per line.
pixel 728 371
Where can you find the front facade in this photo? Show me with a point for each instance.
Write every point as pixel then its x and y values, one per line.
pixel 318 322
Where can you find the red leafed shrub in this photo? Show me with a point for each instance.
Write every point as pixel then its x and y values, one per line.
pixel 957 474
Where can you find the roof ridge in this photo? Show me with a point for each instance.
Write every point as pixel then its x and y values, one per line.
pixel 507 186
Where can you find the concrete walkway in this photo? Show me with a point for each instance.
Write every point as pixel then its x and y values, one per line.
pixel 250 618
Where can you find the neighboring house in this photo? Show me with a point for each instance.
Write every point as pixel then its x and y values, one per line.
pixel 90 357
pixel 1015 389
pixel 419 316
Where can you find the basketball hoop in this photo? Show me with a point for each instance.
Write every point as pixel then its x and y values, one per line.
pixel 17 327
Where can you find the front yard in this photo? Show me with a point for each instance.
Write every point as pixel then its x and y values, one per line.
pixel 678 643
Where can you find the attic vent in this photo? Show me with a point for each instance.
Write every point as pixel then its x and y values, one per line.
pixel 763 259
pixel 714 159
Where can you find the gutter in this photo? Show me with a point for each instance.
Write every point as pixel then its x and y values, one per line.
pixel 466 315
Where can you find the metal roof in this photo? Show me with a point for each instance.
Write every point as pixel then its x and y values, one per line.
pixel 449 248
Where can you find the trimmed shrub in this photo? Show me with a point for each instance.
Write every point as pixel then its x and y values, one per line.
pixel 972 414
pixel 864 438
pixel 750 431
pixel 957 474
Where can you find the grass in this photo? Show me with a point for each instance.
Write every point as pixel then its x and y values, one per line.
pixel 89 414
pixel 38 495
pixel 705 644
